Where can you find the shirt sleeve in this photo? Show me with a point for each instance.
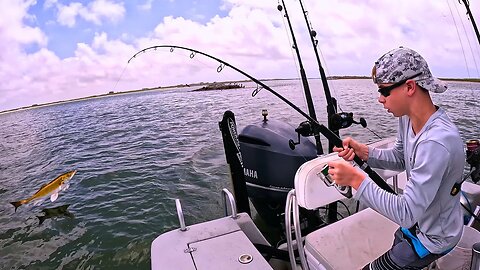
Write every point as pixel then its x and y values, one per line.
pixel 426 177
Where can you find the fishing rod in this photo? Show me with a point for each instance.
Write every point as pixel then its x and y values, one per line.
pixel 336 121
pixel 467 6
pixel 303 75
pixel 331 101
pixel 331 105
pixel 315 125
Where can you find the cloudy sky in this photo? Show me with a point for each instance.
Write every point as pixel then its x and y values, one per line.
pixel 54 50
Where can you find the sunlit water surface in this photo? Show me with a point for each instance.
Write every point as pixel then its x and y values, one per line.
pixel 136 153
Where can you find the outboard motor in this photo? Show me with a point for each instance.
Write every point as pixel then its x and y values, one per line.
pixel 270 164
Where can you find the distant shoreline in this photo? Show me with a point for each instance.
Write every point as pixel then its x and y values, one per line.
pixel 202 84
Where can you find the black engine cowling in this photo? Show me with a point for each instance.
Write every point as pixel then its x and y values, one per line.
pixel 270 164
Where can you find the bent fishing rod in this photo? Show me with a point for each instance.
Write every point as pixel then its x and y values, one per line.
pixel 316 126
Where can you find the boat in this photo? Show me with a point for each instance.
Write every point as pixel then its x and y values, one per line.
pixel 234 241
pixel 291 195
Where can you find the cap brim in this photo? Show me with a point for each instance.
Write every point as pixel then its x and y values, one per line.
pixel 433 85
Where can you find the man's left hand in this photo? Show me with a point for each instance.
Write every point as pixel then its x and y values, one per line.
pixel 344 174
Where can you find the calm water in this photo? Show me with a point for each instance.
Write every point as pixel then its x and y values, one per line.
pixel 136 153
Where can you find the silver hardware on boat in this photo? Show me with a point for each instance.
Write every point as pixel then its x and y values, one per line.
pixel 395 184
pixel 189 249
pixel 475 264
pixel 233 205
pixel 180 215
pixel 291 208
pixel 477 213
pixel 245 258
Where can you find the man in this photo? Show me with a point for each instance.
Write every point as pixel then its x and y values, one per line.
pixel 428 147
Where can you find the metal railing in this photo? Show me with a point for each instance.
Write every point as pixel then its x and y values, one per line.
pixel 233 206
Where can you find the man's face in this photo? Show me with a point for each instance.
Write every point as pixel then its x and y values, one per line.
pixel 395 99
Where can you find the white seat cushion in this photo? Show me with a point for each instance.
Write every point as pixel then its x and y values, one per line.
pixel 352 242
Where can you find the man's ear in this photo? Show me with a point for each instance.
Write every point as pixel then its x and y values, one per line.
pixel 412 87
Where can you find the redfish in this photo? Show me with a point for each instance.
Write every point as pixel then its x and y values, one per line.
pixel 51 189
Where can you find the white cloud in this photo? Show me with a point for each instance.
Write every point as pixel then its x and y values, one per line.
pixel 146 6
pixel 49 3
pixel 14 35
pixel 13 30
pixel 95 12
pixel 103 9
pixel 67 14
pixel 252 37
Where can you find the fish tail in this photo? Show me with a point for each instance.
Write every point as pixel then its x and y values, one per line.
pixel 18 204
pixel 41 219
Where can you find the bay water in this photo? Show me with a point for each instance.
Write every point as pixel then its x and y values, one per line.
pixel 135 153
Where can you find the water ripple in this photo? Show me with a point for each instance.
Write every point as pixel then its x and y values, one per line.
pixel 136 153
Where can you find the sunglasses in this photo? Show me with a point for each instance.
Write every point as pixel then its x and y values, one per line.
pixel 385 91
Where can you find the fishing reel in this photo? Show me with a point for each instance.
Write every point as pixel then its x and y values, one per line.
pixel 473 158
pixel 344 120
pixel 305 129
pixel 337 122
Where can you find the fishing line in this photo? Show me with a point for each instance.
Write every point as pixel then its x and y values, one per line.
pixel 297 68
pixel 460 40
pixel 468 40
pixel 324 62
pixel 373 132
pixel 121 75
pixel 472 22
pixel 329 74
pixel 191 55
pixel 317 48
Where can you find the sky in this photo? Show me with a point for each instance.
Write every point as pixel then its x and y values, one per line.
pixel 55 50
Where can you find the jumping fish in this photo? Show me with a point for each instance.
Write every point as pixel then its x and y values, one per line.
pixel 51 189
pixel 54 212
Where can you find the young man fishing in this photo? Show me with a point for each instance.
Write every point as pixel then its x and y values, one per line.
pixel 428 147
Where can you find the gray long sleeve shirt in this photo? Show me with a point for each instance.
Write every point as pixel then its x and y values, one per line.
pixel 434 160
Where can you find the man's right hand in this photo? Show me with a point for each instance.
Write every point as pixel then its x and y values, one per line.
pixel 351 148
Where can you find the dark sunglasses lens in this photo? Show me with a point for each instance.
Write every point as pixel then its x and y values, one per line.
pixel 385 91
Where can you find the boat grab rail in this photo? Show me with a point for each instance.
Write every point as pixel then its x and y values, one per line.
pixel 291 207
pixel 233 205
pixel 180 215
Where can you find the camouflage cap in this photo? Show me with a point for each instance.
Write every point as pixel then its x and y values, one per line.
pixel 402 63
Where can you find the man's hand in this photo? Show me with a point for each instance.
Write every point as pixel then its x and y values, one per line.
pixel 344 174
pixel 352 148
